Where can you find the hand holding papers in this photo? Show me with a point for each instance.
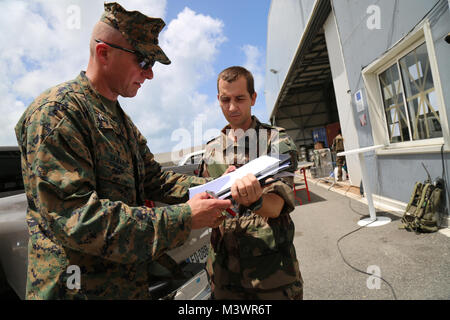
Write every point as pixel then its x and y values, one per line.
pixel 207 212
pixel 262 167
pixel 229 210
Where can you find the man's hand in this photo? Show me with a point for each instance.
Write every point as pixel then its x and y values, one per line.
pixel 229 169
pixel 247 190
pixel 207 211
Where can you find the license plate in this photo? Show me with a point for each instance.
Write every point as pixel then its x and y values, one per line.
pixel 199 256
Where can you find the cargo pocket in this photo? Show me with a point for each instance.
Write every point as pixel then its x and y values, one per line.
pixel 223 264
pixel 115 174
pixel 265 255
pixel 115 181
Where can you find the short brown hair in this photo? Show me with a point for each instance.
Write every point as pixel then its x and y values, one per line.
pixel 233 73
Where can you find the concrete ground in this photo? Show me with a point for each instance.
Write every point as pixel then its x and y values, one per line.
pixel 414 266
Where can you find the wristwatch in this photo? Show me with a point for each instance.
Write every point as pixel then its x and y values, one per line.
pixel 256 205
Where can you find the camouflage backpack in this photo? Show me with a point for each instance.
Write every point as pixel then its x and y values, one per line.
pixel 421 214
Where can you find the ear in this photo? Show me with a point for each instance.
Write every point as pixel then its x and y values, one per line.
pixel 253 98
pixel 101 52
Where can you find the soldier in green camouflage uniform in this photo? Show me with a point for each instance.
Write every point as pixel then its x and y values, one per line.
pixel 252 255
pixel 338 146
pixel 87 171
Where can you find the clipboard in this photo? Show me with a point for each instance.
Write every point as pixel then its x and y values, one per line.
pixel 262 167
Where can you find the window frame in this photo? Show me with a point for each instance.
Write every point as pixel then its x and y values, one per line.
pixel 421 35
pixel 380 91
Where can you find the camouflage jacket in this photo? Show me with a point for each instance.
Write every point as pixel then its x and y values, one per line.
pixel 86 179
pixel 338 143
pixel 252 257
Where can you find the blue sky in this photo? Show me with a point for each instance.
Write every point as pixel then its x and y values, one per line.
pixel 47 43
pixel 245 23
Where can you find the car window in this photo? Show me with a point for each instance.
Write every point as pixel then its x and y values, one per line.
pixel 10 172
pixel 197 158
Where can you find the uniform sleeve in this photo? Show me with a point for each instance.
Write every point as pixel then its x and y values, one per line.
pixel 61 190
pixel 203 166
pixel 209 168
pixel 202 169
pixel 164 186
pixel 168 186
pixel 281 143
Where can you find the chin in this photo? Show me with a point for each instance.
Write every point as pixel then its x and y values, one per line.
pixel 237 122
pixel 233 122
pixel 129 94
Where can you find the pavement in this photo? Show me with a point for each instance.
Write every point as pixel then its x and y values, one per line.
pixel 393 263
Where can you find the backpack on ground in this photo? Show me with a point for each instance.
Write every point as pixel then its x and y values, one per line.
pixel 422 212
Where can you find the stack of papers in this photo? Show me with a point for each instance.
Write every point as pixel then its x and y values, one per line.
pixel 262 167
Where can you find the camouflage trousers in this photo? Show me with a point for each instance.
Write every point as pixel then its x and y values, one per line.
pixel 340 162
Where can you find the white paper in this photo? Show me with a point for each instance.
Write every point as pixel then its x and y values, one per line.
pixel 224 182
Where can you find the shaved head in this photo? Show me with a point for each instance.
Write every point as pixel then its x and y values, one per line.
pixel 105 32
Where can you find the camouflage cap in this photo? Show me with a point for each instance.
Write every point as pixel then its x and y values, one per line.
pixel 138 29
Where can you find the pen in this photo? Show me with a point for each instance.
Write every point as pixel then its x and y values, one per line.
pixel 263 182
pixel 230 211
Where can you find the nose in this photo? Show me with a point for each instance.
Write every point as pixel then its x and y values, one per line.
pixel 233 106
pixel 148 73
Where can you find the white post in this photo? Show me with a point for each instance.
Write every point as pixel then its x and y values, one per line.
pixel 373 221
pixel 367 187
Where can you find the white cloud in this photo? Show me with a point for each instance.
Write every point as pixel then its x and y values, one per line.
pixel 47 43
pixel 254 62
pixel 37 51
pixel 253 58
pixel 151 8
pixel 173 100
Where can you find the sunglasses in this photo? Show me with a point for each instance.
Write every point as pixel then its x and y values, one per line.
pixel 143 61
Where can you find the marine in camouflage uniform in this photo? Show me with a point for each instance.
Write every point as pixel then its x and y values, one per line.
pixel 87 171
pixel 252 257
